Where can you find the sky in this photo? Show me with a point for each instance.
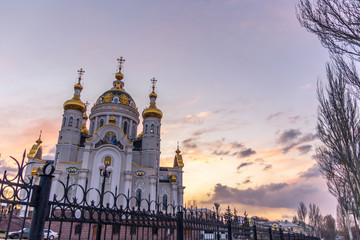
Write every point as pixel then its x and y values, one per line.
pixel 236 84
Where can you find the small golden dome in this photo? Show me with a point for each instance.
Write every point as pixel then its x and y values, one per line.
pixel 152 111
pixel 78 86
pixel 153 94
pixel 140 135
pixel 85 116
pixel 119 76
pixel 75 103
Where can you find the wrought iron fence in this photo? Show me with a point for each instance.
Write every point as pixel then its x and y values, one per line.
pixel 74 213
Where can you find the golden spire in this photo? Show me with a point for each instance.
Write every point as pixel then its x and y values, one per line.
pixel 39 140
pixel 75 103
pixel 112 119
pixel 178 150
pixel 152 110
pixel 153 94
pixel 119 76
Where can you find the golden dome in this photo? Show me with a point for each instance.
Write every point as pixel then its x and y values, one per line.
pixel 78 86
pixel 75 103
pixel 119 76
pixel 153 94
pixel 152 111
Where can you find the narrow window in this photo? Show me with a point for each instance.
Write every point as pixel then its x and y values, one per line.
pixel 165 197
pixel 146 128
pixel 138 198
pixel 158 130
pixel 125 127
pixel 101 122
pixel 70 121
pixel 77 123
pixel 152 128
pixel 64 121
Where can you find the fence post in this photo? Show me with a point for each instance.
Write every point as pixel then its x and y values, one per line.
pixel 281 234
pixel 41 203
pixel 255 233
pixel 270 234
pixel 180 225
pixel 229 230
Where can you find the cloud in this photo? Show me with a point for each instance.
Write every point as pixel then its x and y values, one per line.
pixel 292 138
pixel 294 119
pixel 267 167
pixel 304 149
pixel 244 165
pixel 237 145
pixel 197 118
pixel 246 181
pixel 190 143
pixel 288 136
pixel 274 115
pixel 276 195
pixel 311 172
pixel 202 131
pixel 244 153
pixel 220 153
pixel 306 86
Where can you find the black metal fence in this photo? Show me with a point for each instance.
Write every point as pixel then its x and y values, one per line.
pixel 26 212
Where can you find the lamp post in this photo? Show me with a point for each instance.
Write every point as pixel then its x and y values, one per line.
pixel 217 205
pixel 105 172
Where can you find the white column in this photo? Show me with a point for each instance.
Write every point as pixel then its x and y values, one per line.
pixel 174 189
pixel 127 186
pixel 152 181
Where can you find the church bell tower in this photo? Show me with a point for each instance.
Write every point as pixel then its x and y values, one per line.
pixel 70 133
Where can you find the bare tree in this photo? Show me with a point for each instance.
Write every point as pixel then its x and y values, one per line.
pixel 339 131
pixel 314 217
pixel 328 230
pixel 335 22
pixel 343 222
pixel 302 212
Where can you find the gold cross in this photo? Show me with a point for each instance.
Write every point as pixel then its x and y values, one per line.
pixel 121 61
pixel 81 72
pixel 153 80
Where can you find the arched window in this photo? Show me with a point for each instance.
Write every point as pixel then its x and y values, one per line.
pixel 165 198
pixel 77 123
pixel 64 121
pixel 133 131
pixel 70 121
pixel 152 128
pixel 116 100
pixel 146 128
pixel 101 122
pixel 125 127
pixel 138 197
pixel 158 130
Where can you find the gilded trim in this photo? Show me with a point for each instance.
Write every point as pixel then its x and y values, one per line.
pixel 71 162
pixel 110 124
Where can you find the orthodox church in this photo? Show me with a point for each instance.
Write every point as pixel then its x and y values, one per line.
pixel 112 142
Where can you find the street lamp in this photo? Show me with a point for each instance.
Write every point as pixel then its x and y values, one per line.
pixel 105 172
pixel 217 205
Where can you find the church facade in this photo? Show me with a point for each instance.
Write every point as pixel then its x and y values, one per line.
pixel 112 142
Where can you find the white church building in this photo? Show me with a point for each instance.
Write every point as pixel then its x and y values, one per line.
pixel 112 141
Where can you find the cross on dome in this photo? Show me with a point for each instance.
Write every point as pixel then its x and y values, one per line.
pixel 81 72
pixel 121 61
pixel 153 81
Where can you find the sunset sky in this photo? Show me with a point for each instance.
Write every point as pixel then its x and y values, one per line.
pixel 236 83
